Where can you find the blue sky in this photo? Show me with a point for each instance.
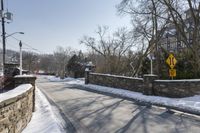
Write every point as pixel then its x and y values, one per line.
pixel 49 23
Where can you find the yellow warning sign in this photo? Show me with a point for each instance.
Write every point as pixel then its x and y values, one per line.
pixel 172 72
pixel 171 61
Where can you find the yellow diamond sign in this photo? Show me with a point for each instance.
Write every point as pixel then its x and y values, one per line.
pixel 171 61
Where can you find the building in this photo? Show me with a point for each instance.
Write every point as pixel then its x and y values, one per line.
pixel 172 40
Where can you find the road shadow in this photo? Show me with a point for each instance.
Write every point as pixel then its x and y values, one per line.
pixel 126 127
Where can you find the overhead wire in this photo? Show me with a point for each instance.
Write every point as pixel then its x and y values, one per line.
pixel 10 44
pixel 26 44
pixel 7 4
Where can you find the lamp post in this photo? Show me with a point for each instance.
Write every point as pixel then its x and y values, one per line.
pixel 20 49
pixel 151 64
pixel 151 58
pixel 20 45
pixel 168 42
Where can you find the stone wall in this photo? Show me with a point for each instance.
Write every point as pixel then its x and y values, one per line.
pixel 16 107
pixel 149 85
pixel 176 88
pixel 26 79
pixel 128 83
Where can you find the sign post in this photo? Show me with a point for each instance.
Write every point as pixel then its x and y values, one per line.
pixel 171 61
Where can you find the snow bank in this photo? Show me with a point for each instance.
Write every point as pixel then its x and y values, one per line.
pixel 44 119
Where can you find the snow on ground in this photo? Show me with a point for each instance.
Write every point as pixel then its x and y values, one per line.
pixel 188 104
pixel 46 118
pixel 25 76
pixel 58 79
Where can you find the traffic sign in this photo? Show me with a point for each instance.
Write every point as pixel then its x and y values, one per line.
pixel 171 61
pixel 172 72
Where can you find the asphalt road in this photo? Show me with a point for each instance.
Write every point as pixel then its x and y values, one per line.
pixel 91 112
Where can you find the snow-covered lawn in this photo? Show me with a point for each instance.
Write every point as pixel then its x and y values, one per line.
pixel 57 79
pixel 188 104
pixel 46 118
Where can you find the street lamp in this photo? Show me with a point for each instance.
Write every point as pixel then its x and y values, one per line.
pixel 151 58
pixel 14 33
pixel 20 50
pixel 4 51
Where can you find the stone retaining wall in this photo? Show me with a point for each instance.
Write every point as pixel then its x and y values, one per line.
pixel 128 83
pixel 176 88
pixel 16 107
pixel 26 79
pixel 148 86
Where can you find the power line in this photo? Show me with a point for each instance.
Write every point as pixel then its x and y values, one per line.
pixel 27 45
pixel 10 44
pixel 15 45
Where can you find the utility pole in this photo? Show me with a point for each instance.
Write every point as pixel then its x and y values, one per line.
pixel 20 49
pixel 3 35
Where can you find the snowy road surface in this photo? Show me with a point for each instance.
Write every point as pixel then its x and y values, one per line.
pixel 99 113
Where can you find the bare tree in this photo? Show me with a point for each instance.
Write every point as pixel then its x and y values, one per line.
pixel 47 63
pixel 111 47
pixel 61 56
pixel 30 61
pixel 150 19
pixel 185 17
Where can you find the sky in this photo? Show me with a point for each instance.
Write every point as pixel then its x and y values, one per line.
pixel 51 23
